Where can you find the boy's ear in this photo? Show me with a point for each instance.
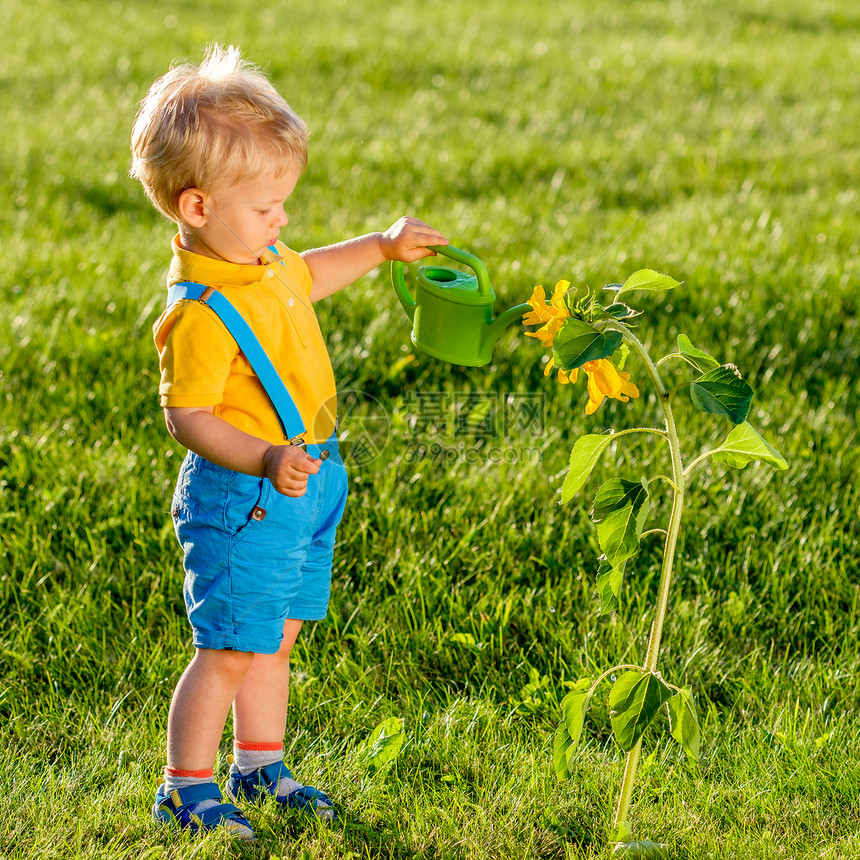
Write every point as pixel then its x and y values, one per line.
pixel 192 207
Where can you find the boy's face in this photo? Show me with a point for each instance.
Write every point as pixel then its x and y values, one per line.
pixel 238 222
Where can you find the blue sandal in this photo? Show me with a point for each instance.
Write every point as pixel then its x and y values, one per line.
pixel 180 807
pixel 266 780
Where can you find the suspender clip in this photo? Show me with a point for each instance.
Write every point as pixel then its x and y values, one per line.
pixel 298 440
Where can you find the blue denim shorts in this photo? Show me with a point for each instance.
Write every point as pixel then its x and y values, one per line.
pixel 254 557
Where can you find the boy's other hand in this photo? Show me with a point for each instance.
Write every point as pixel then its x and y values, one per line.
pixel 288 468
pixel 407 240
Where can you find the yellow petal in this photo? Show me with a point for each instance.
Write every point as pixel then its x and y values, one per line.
pixel 541 311
pixel 595 393
pixel 608 379
pixel 592 406
pixel 558 295
pixel 546 334
pixel 534 317
pixel 628 387
pixel 538 296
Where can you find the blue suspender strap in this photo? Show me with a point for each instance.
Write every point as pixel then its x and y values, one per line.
pixel 288 415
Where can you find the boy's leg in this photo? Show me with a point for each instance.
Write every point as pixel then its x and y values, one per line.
pixel 259 720
pixel 260 705
pixel 201 702
pixel 195 723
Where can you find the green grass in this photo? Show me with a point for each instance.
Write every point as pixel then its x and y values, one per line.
pixel 714 141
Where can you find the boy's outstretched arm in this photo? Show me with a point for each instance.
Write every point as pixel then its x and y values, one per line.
pixel 335 266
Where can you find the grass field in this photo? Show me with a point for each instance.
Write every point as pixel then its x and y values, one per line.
pixel 715 141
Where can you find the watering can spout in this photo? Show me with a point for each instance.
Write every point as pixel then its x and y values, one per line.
pixel 503 320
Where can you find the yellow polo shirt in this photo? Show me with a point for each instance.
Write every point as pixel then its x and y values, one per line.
pixel 201 365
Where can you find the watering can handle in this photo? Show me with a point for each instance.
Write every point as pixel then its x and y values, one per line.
pixel 469 260
pixel 400 288
pixel 402 291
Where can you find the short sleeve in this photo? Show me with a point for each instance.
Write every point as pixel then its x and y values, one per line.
pixel 195 354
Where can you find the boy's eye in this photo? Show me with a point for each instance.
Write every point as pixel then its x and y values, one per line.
pixel 265 211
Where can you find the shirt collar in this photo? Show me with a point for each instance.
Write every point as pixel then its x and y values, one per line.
pixel 188 266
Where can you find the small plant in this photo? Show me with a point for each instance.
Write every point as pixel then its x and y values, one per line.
pixel 383 746
pixel 585 335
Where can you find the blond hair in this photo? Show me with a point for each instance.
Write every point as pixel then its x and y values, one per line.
pixel 212 125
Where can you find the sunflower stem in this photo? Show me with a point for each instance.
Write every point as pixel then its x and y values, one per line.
pixel 672 532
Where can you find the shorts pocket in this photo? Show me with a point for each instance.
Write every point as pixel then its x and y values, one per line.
pixel 247 505
pixel 183 505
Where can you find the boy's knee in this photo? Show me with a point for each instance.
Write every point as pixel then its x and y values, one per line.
pixel 231 664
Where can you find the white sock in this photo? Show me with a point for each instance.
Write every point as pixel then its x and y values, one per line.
pixel 248 760
pixel 173 782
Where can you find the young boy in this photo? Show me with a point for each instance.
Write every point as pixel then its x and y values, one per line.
pixel 219 152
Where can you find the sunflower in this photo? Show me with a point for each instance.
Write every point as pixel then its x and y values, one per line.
pixel 606 380
pixel 550 316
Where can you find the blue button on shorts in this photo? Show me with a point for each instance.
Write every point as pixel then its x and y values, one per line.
pixel 254 557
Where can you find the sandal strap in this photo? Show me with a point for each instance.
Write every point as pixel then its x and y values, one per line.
pixel 183 806
pixel 195 793
pixel 307 796
pixel 217 814
pixel 272 773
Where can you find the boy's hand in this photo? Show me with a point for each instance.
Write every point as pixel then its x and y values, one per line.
pixel 288 468
pixel 335 266
pixel 407 240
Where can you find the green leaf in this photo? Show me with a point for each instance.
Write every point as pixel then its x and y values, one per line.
pixel 467 640
pixel 723 391
pixel 684 722
pixel 615 311
pixel 384 743
pixel 623 833
pixel 744 445
pixel 641 849
pixel 616 494
pixel 620 510
pixel 567 734
pixel 609 580
pixel 578 342
pixel 586 451
pixel 561 753
pixel 647 279
pixel 634 701
pixel 701 359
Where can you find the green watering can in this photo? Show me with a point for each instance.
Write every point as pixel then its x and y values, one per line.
pixel 452 312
